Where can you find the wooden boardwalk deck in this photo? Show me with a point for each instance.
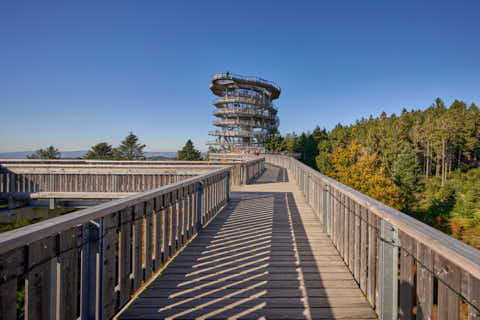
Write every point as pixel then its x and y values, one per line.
pixel 264 256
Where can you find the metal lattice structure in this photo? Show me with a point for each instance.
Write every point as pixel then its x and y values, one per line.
pixel 244 110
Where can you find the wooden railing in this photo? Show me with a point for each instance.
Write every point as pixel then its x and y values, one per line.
pixel 403 266
pixel 28 176
pixel 89 263
pixel 252 169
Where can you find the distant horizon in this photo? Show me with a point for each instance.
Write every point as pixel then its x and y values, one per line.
pixel 82 150
pixel 204 148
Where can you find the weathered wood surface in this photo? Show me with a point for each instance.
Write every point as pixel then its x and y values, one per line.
pixel 19 179
pixel 264 255
pixel 437 273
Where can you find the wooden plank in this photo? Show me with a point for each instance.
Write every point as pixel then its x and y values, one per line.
pixel 181 218
pixel 343 229
pixel 378 283
pixel 357 242
pixel 70 248
pixel 187 220
pixel 159 233
pixel 125 254
pixel 137 268
pixel 336 213
pixel 110 266
pixel 363 249
pixel 168 228
pixel 351 235
pixel 148 239
pixel 406 277
pixel 449 282
pixel 12 265
pixel 473 296
pixel 39 291
pixel 424 282
pixel 372 254
pixel 331 209
pixel 174 226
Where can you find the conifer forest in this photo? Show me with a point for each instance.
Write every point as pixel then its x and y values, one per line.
pixel 425 163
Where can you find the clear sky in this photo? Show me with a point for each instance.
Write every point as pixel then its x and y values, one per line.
pixel 75 73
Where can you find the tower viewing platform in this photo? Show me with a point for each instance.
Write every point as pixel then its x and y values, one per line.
pixel 244 110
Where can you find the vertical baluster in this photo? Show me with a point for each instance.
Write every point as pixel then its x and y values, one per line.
pixel 372 257
pixel 148 239
pixel 40 288
pixel 424 282
pixel 13 265
pixel 406 277
pixel 125 254
pixel 363 249
pixel 356 245
pixel 109 295
pixel 159 232
pixel 137 245
pixel 449 276
pixel 351 236
pixel 473 295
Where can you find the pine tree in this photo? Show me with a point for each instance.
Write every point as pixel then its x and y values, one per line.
pixel 100 151
pixel 275 142
pixel 130 149
pixel 48 153
pixel 188 152
pixel 291 142
pixel 406 173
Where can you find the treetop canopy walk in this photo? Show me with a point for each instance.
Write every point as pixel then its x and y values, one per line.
pixel 291 244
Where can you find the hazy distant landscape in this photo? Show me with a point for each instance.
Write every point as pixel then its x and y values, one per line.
pixel 82 153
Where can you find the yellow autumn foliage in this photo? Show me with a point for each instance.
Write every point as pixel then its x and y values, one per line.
pixel 352 166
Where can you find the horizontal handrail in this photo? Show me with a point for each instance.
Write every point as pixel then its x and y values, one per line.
pixel 246 99
pixel 225 75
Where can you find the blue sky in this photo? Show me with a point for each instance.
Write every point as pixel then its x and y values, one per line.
pixel 75 73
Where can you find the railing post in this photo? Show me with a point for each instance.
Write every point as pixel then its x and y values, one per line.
pixel 228 186
pixel 92 263
pixel 389 271
pixel 51 186
pixel 307 187
pixel 325 208
pixel 199 206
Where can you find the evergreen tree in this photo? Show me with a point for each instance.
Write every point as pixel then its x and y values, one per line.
pixel 48 153
pixel 406 173
pixel 188 152
pixel 322 159
pixel 100 151
pixel 130 149
pixel 291 142
pixel 275 142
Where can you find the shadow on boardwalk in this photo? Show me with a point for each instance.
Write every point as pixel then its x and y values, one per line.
pixel 262 256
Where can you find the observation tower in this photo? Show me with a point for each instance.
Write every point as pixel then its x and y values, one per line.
pixel 245 112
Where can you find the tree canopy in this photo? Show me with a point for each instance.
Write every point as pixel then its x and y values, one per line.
pixel 188 152
pixel 130 148
pixel 49 153
pixel 100 151
pixel 419 161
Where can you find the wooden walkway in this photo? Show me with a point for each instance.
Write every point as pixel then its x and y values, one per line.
pixel 264 256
